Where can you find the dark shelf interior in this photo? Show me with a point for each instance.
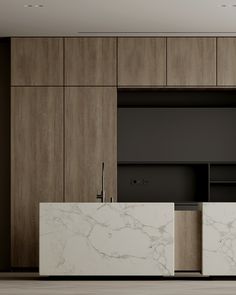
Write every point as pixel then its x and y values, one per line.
pixel 223 172
pixel 177 134
pixel 223 193
pixel 181 183
pixel 166 97
pixel 223 182
pixel 177 145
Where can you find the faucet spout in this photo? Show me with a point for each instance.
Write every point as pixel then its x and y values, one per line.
pixel 102 195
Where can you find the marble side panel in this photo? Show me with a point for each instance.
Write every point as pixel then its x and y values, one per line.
pixel 107 239
pixel 219 239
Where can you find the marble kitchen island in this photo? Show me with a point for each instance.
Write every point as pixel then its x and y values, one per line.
pixel 107 239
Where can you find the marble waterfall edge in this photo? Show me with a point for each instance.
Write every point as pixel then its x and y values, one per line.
pixel 107 239
pixel 219 239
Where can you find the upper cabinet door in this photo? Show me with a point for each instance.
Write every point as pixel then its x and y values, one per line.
pixel 90 61
pixel 36 164
pixel 90 140
pixel 226 61
pixel 37 61
pixel 141 61
pixel 191 61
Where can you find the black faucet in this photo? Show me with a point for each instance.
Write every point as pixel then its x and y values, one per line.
pixel 102 195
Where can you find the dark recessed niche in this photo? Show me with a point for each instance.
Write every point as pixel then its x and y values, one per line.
pixel 223 172
pixel 176 145
pixel 223 192
pixel 165 97
pixel 223 182
pixel 180 183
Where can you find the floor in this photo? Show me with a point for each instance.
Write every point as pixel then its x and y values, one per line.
pixel 26 284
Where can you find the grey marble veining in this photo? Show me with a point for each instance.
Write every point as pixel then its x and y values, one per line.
pixel 219 238
pixel 106 239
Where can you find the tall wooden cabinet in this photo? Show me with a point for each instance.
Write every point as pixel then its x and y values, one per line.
pixel 90 140
pixel 60 135
pixel 36 164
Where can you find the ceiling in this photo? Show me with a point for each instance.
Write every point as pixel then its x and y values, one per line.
pixel 117 17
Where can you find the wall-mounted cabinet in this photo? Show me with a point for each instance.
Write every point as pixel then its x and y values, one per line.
pixel 90 140
pixel 36 164
pixel 226 61
pixel 141 61
pixel 90 61
pixel 37 61
pixel 191 61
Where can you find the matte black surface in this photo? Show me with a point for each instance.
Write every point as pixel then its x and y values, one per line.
pixel 177 98
pixel 4 154
pixel 222 172
pixel 223 192
pixel 177 134
pixel 162 183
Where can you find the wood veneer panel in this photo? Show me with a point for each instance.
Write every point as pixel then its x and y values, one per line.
pixel 226 61
pixel 141 61
pixel 37 164
pixel 37 61
pixel 90 139
pixel 191 61
pixel 188 241
pixel 90 61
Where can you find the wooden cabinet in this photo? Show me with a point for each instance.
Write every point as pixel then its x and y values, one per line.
pixel 141 61
pixel 36 164
pixel 188 246
pixel 90 61
pixel 90 140
pixel 37 61
pixel 191 61
pixel 226 61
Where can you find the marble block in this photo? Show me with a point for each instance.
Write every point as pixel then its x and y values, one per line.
pixel 107 239
pixel 219 239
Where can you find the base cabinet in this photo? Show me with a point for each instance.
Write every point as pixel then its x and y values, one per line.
pixel 107 239
pixel 219 239
pixel 137 239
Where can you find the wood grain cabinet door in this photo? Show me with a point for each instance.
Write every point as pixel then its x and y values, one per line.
pixel 141 61
pixel 90 139
pixel 191 61
pixel 90 61
pixel 226 61
pixel 37 61
pixel 36 164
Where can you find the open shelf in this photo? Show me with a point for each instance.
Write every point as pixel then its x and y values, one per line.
pixel 179 183
pixel 223 172
pixel 176 145
pixel 223 183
